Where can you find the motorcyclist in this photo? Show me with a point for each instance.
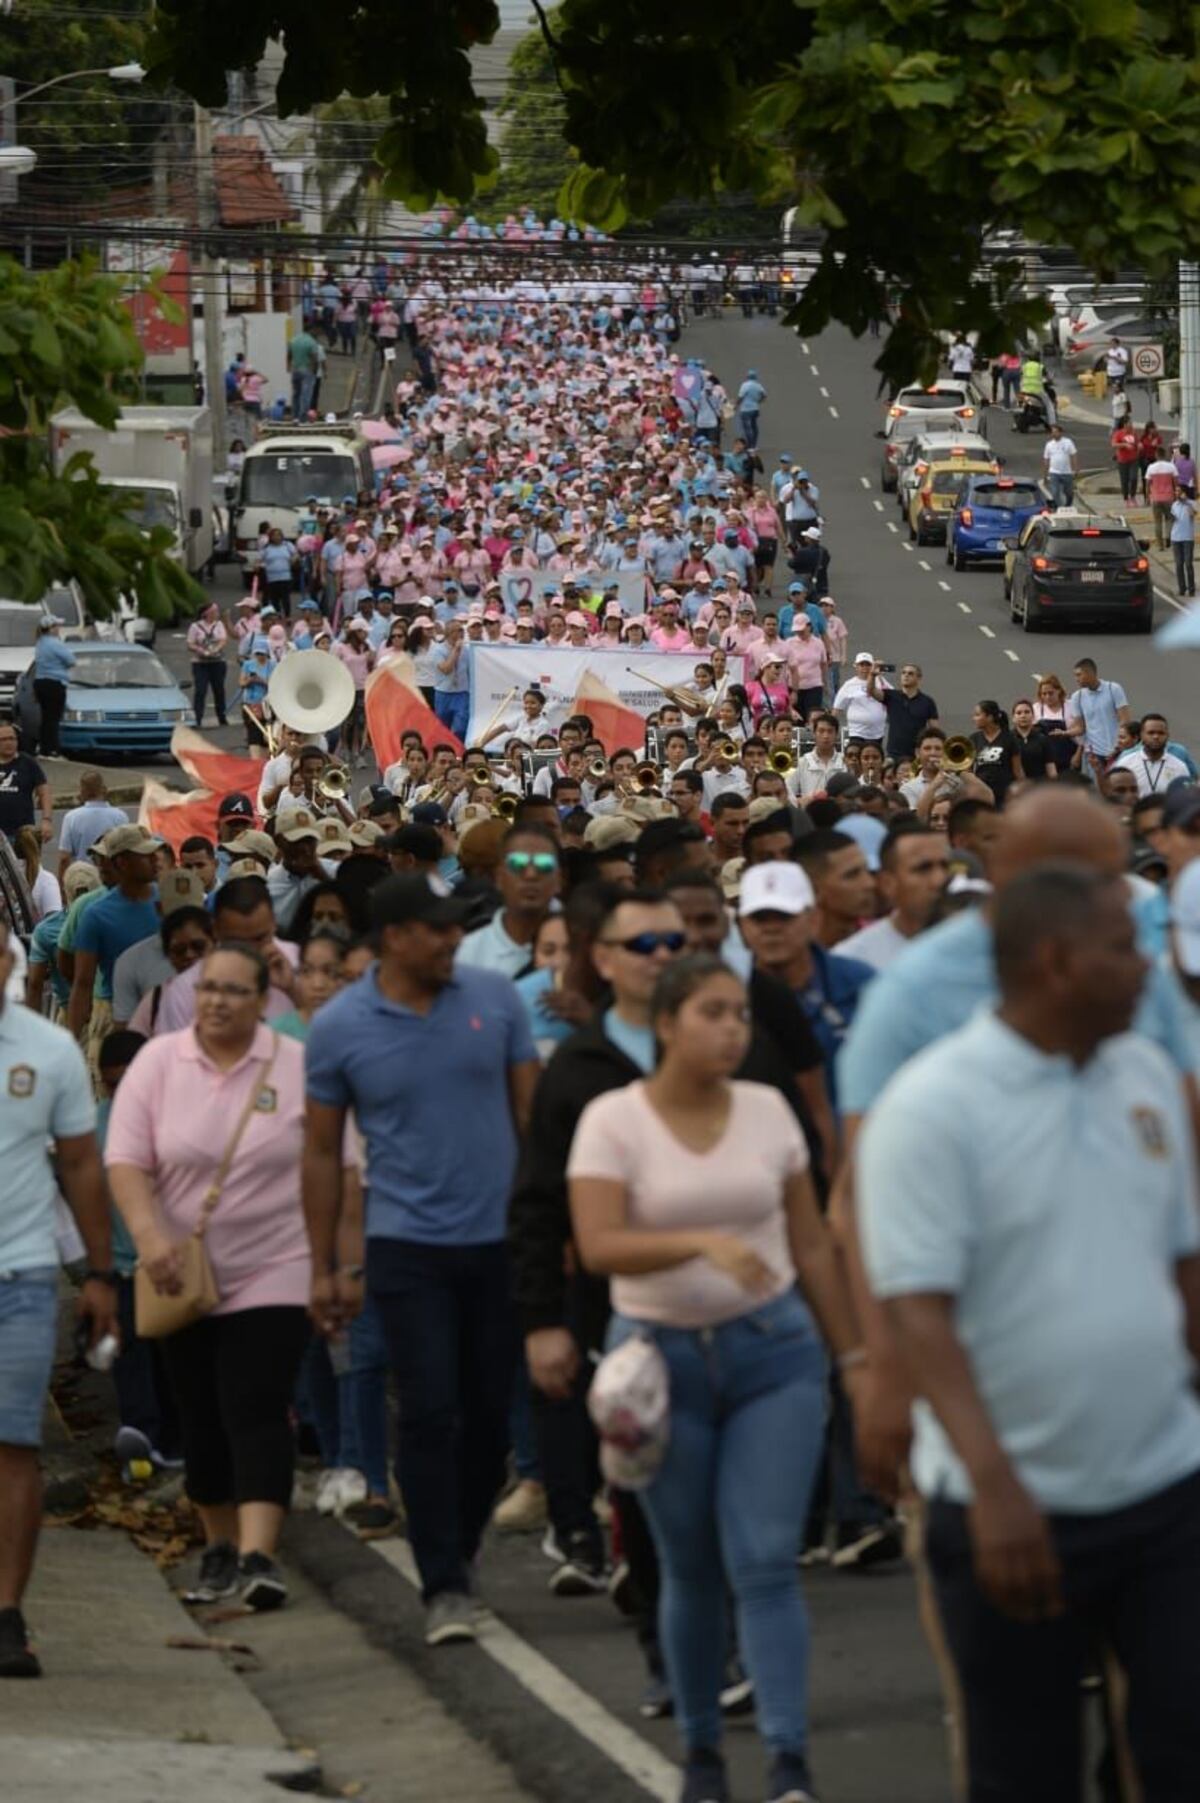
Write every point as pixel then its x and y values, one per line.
pixel 1036 393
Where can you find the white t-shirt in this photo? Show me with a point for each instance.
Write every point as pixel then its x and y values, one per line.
pixel 736 1187
pixel 866 718
pixel 877 945
pixel 1057 455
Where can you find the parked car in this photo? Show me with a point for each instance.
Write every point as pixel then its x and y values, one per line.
pixel 1088 568
pixel 18 642
pixel 120 698
pixel 899 433
pixel 1086 348
pixel 988 511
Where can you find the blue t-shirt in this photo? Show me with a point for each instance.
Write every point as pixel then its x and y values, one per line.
pixel 830 1001
pixel 430 1094
pixel 85 824
pixel 52 661
pixel 637 1043
pixel 43 949
pixel 44 1095
pixel 548 1030
pixel 110 928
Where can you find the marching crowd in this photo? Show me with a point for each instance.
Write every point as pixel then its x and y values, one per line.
pixel 831 1087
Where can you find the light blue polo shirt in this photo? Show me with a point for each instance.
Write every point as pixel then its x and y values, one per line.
pixel 489 947
pixel 935 986
pixel 1051 1201
pixel 430 1094
pixel 45 1094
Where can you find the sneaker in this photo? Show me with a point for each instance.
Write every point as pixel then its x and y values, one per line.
pixel 325 1501
pixel 622 1590
pixel 373 1519
pixel 859 1548
pixel 704 1779
pixel 581 1569
pixel 17 1657
pixel 657 1701
pixel 449 1618
pixel 523 1510
pixel 339 1490
pixel 737 1692
pixel 218 1574
pixel 263 1586
pixel 789 1781
pixel 817 1554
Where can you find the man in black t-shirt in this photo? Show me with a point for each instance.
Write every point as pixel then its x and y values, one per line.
pixel 24 791
pixel 909 712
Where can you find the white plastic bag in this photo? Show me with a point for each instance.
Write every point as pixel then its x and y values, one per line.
pixel 630 1404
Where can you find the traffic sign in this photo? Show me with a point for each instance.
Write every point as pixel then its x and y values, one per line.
pixel 1148 361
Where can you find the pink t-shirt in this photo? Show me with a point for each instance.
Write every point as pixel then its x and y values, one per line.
pixel 736 1187
pixel 173 1117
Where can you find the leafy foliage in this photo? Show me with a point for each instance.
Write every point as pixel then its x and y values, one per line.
pixel 900 128
pixel 66 339
pixel 535 158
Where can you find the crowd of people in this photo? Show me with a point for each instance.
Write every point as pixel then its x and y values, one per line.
pixel 831 1088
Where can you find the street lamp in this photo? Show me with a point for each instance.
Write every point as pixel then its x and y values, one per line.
pixel 131 72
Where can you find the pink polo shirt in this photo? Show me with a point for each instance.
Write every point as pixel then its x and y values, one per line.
pixel 173 1117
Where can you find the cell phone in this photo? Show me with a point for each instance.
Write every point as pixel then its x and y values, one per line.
pixel 886 669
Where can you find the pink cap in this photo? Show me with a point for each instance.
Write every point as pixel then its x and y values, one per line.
pixel 576 619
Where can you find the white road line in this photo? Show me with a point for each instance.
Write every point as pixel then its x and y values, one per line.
pixel 904 544
pixel 942 583
pixel 987 632
pixel 924 563
pixel 653 1774
pixel 964 607
pixel 892 526
pixel 804 347
pixel 824 394
pixel 833 412
pixel 878 505
pixel 815 370
pixel 1012 654
pixel 1179 606
pixel 865 480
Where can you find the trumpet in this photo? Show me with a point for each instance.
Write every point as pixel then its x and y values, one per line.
pixel 505 808
pixel 958 754
pixel 782 762
pixel 334 784
pixel 597 770
pixel 729 754
pixel 480 778
pixel 646 776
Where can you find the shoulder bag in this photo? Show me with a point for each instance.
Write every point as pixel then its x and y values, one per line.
pixel 157 1313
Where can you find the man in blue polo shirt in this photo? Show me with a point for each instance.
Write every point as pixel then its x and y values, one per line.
pixel 439 1067
pixel 127 914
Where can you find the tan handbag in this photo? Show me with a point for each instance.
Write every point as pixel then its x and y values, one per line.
pixel 158 1314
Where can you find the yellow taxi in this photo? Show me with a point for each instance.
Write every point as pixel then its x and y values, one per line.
pixel 932 503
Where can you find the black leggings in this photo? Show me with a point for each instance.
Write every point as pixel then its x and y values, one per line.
pixel 233 1378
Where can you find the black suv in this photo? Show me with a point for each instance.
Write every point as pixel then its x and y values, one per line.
pixel 1066 567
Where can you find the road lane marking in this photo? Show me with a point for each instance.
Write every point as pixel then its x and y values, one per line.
pixel 892 526
pixel 824 394
pixel 942 583
pixel 924 563
pixel 815 370
pixel 879 509
pixel 964 607
pixel 904 542
pixel 833 412
pixel 1012 654
pixel 865 480
pixel 656 1776
pixel 804 347
pixel 987 632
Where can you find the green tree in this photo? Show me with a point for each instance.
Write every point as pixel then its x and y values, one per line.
pixel 535 158
pixel 901 128
pixel 65 338
pixel 348 179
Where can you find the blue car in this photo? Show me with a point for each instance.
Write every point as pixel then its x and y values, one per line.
pixel 989 510
pixel 120 698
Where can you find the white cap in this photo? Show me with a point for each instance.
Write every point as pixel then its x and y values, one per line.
pixel 775 888
pixel 864 657
pixel 1185 918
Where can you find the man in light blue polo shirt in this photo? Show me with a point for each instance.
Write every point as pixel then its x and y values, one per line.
pixel 1028 1202
pixel 439 1066
pixel 529 879
pixel 45 1100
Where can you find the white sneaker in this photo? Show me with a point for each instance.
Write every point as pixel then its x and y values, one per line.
pixel 325 1501
pixel 339 1490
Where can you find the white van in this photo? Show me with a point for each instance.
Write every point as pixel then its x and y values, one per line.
pixel 291 470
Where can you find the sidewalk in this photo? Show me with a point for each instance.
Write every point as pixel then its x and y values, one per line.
pixel 1100 492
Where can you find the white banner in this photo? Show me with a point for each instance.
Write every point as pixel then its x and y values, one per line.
pixel 527 585
pixel 496 669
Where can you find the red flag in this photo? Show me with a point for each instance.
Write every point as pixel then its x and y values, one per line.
pixel 618 728
pixel 395 705
pixel 175 817
pixel 221 771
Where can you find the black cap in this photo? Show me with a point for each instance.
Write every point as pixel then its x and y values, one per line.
pixel 399 899
pixel 1181 804
pixel 422 841
pixel 843 784
pixel 430 813
pixel 236 807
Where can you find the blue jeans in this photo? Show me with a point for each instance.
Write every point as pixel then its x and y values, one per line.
pixel 362 1402
pixel 28 1324
pixel 304 381
pixel 748 428
pixel 1062 490
pixel 453 709
pixel 747 1423
pixel 452 1343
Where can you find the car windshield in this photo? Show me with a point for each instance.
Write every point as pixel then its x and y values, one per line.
pixel 912 425
pixel 19 628
pixel 1078 547
pixel 119 670
pixel 288 478
pixel 947 482
pixel 148 507
pixel 1010 499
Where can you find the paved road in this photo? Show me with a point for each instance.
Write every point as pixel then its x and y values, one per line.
pixel 901 601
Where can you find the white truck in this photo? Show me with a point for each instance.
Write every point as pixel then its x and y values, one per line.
pixel 161 459
pixel 289 471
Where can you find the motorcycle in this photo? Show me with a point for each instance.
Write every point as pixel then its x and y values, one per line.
pixel 1032 413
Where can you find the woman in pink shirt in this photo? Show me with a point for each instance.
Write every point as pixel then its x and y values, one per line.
pixel 692 1192
pixel 173 1124
pixel 355 652
pixel 765 523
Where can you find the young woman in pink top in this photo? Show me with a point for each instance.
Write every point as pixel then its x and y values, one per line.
pixel 233 1372
pixel 692 1192
pixel 764 522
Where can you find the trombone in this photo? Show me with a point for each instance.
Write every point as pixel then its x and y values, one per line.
pixel 958 754
pixel 334 784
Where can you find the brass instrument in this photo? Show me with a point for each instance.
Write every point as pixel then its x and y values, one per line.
pixel 264 730
pixel 480 778
pixel 782 762
pixel 505 808
pixel 597 770
pixel 334 784
pixel 647 777
pixel 688 701
pixel 728 755
pixel 958 754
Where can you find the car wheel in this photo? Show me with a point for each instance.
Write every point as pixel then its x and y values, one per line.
pixel 958 560
pixel 1029 621
pixel 1145 623
pixel 912 533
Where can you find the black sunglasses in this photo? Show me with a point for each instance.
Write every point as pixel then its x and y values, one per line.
pixel 644 945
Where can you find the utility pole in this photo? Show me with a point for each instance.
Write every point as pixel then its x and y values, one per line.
pixel 1189 353
pixel 207 218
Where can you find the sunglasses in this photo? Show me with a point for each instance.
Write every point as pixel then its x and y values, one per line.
pixel 644 945
pixel 543 862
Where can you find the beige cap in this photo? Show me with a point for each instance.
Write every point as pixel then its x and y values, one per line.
pixel 252 844
pixel 646 807
pixel 302 823
pixel 179 889
pixel 764 805
pixel 129 838
pixel 245 867
pixel 364 834
pixel 731 877
pixel 78 878
pixel 607 831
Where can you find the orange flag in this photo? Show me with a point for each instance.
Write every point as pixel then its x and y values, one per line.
pixel 618 728
pixel 175 817
pixel 395 705
pixel 221 771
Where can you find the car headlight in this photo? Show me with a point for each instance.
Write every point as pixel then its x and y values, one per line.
pixel 83 713
pixel 174 713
